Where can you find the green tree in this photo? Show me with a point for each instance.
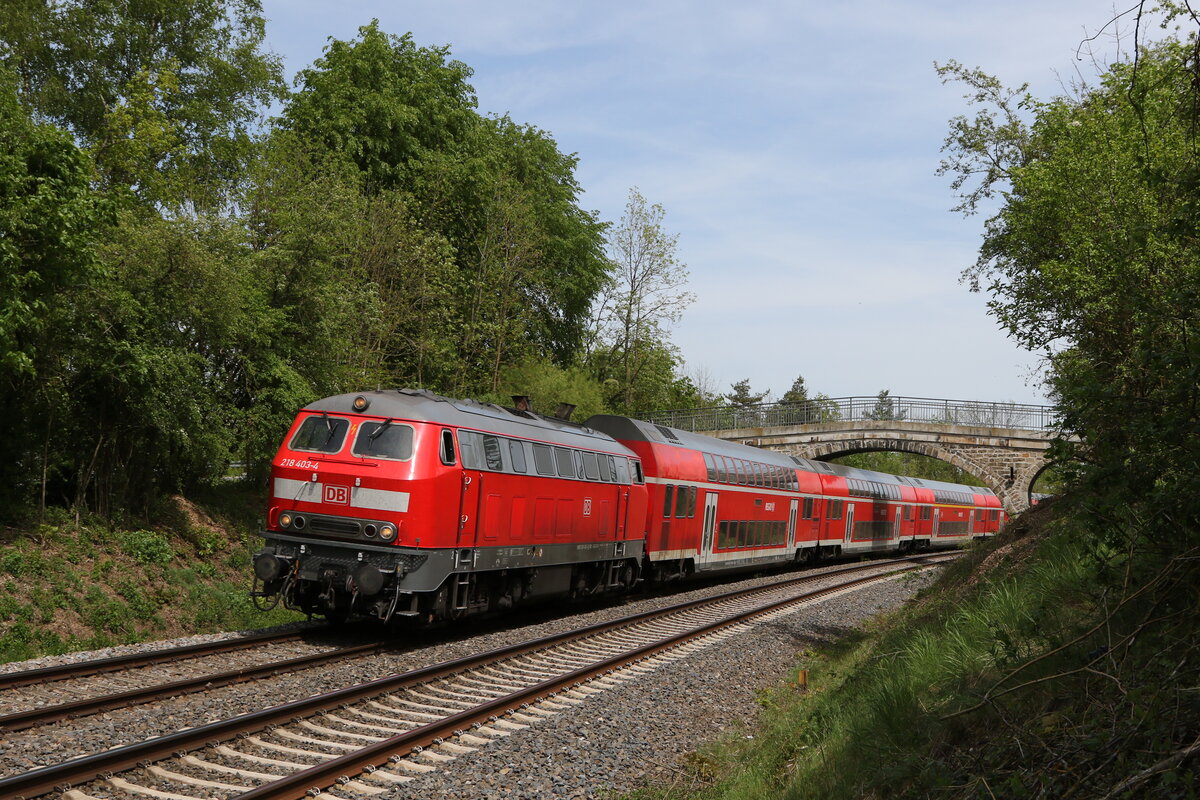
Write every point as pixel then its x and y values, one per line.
pixel 500 194
pixel 643 298
pixel 885 407
pixel 797 394
pixel 1092 260
pixel 384 103
pixel 741 396
pixel 163 95
pixel 50 225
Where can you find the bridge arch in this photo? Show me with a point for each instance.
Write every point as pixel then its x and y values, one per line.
pixel 999 482
pixel 1002 444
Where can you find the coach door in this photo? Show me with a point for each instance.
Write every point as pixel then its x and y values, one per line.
pixel 849 522
pixel 708 532
pixel 793 511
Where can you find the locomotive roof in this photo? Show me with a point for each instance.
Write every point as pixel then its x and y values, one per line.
pixel 422 405
pixel 635 430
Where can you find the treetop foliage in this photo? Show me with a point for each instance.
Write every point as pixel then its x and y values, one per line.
pixel 177 279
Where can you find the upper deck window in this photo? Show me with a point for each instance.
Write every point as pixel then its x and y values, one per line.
pixel 384 440
pixel 320 433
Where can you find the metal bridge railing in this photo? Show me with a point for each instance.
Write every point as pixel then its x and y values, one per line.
pixel 853 409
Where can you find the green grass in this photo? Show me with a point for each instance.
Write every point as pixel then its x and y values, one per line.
pixel 76 587
pixel 996 683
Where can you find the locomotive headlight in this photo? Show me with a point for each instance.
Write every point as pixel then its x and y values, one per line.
pixel 298 522
pixel 387 532
pixel 285 520
pixel 361 403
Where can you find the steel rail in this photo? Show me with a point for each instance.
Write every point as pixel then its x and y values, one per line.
pixel 61 777
pixel 22 720
pixel 310 782
pixel 83 669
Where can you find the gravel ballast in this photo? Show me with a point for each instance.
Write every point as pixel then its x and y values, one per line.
pixel 615 741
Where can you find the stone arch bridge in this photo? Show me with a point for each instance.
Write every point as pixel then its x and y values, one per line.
pixel 1002 444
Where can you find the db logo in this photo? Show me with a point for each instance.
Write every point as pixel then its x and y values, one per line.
pixel 337 494
pixel 587 506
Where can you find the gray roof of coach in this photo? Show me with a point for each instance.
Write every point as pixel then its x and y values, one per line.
pixel 640 430
pixel 421 405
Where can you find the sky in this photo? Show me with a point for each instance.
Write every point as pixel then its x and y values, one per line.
pixel 793 146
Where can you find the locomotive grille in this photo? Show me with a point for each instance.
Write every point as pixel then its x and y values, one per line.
pixel 339 527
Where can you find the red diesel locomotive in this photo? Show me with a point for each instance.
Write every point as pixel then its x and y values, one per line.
pixel 406 504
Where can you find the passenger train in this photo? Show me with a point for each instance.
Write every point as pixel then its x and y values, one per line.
pixel 405 504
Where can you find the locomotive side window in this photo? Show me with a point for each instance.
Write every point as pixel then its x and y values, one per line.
pixel 606 471
pixel 565 462
pixel 621 473
pixel 468 446
pixel 320 434
pixel 384 440
pixel 638 478
pixel 590 467
pixel 543 459
pixel 491 453
pixel 668 498
pixel 516 454
pixel 447 448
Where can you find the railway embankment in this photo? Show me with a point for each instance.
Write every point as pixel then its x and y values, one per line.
pixel 83 584
pixel 1041 665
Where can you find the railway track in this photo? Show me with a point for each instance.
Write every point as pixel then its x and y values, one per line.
pixel 34 697
pixel 359 741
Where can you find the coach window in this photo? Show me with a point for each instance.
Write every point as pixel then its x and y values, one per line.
pixel 740 468
pixel 543 459
pixel 516 454
pixel 590 467
pixel 320 434
pixel 907 513
pixel 668 499
pixel 722 469
pixel 491 453
pixel 447 449
pixel 835 509
pixel 710 467
pixel 808 508
pixel 681 496
pixel 692 502
pixel 758 475
pixel 926 512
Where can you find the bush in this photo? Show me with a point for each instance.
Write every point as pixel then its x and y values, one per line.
pixel 146 547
